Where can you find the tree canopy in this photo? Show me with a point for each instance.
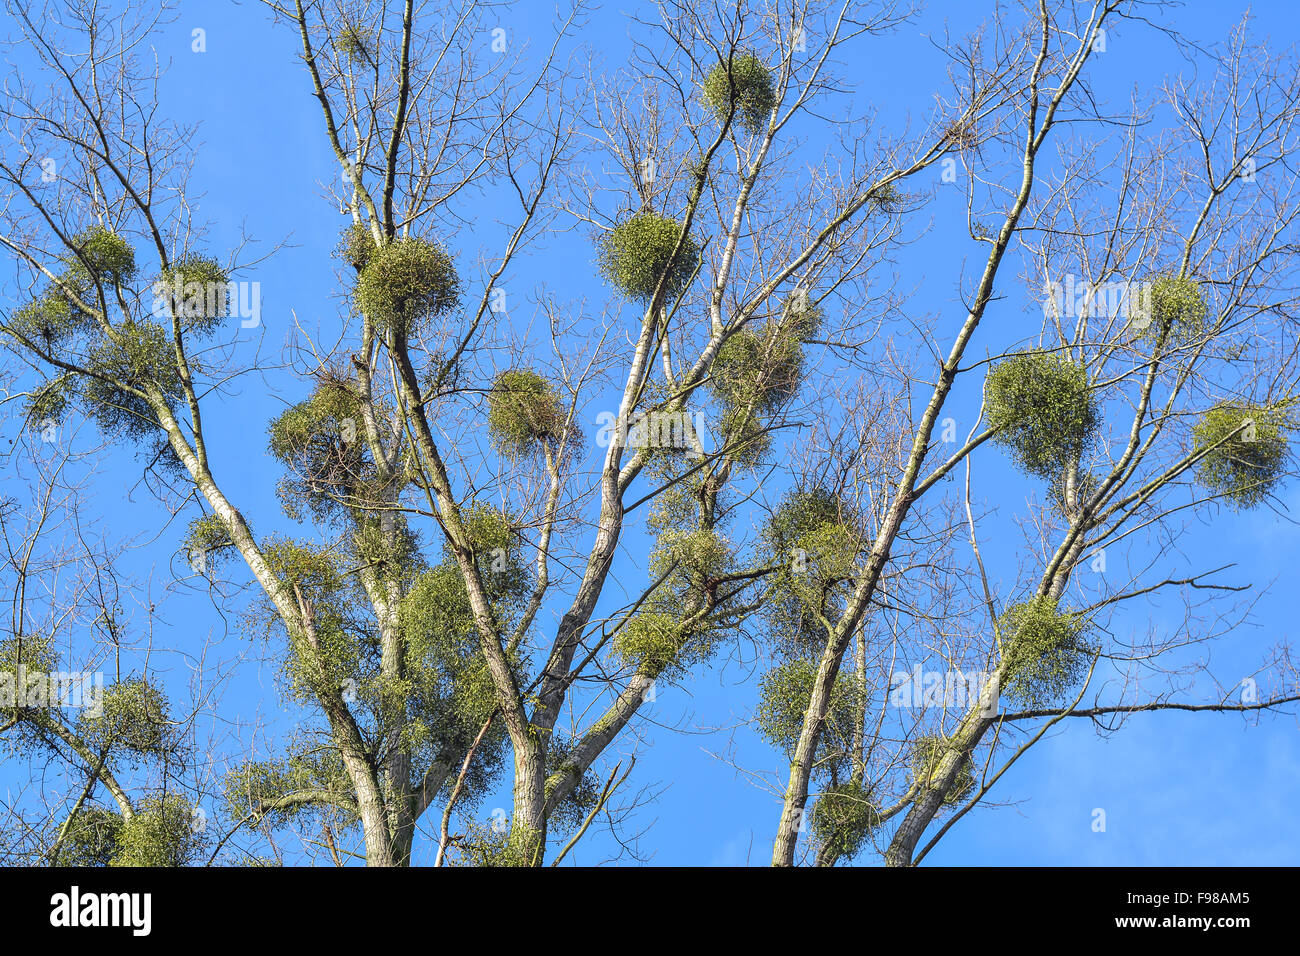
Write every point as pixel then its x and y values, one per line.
pixel 633 374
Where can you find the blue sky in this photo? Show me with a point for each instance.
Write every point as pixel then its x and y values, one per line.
pixel 1176 788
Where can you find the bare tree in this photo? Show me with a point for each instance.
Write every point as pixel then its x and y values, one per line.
pixel 766 399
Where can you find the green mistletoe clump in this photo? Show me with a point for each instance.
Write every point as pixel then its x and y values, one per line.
pixel 405 283
pixel 927 753
pixel 524 411
pixel 745 82
pixel 1245 448
pixel 1178 309
pixel 843 818
pixel 1044 651
pixel 1042 409
pixel 636 252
